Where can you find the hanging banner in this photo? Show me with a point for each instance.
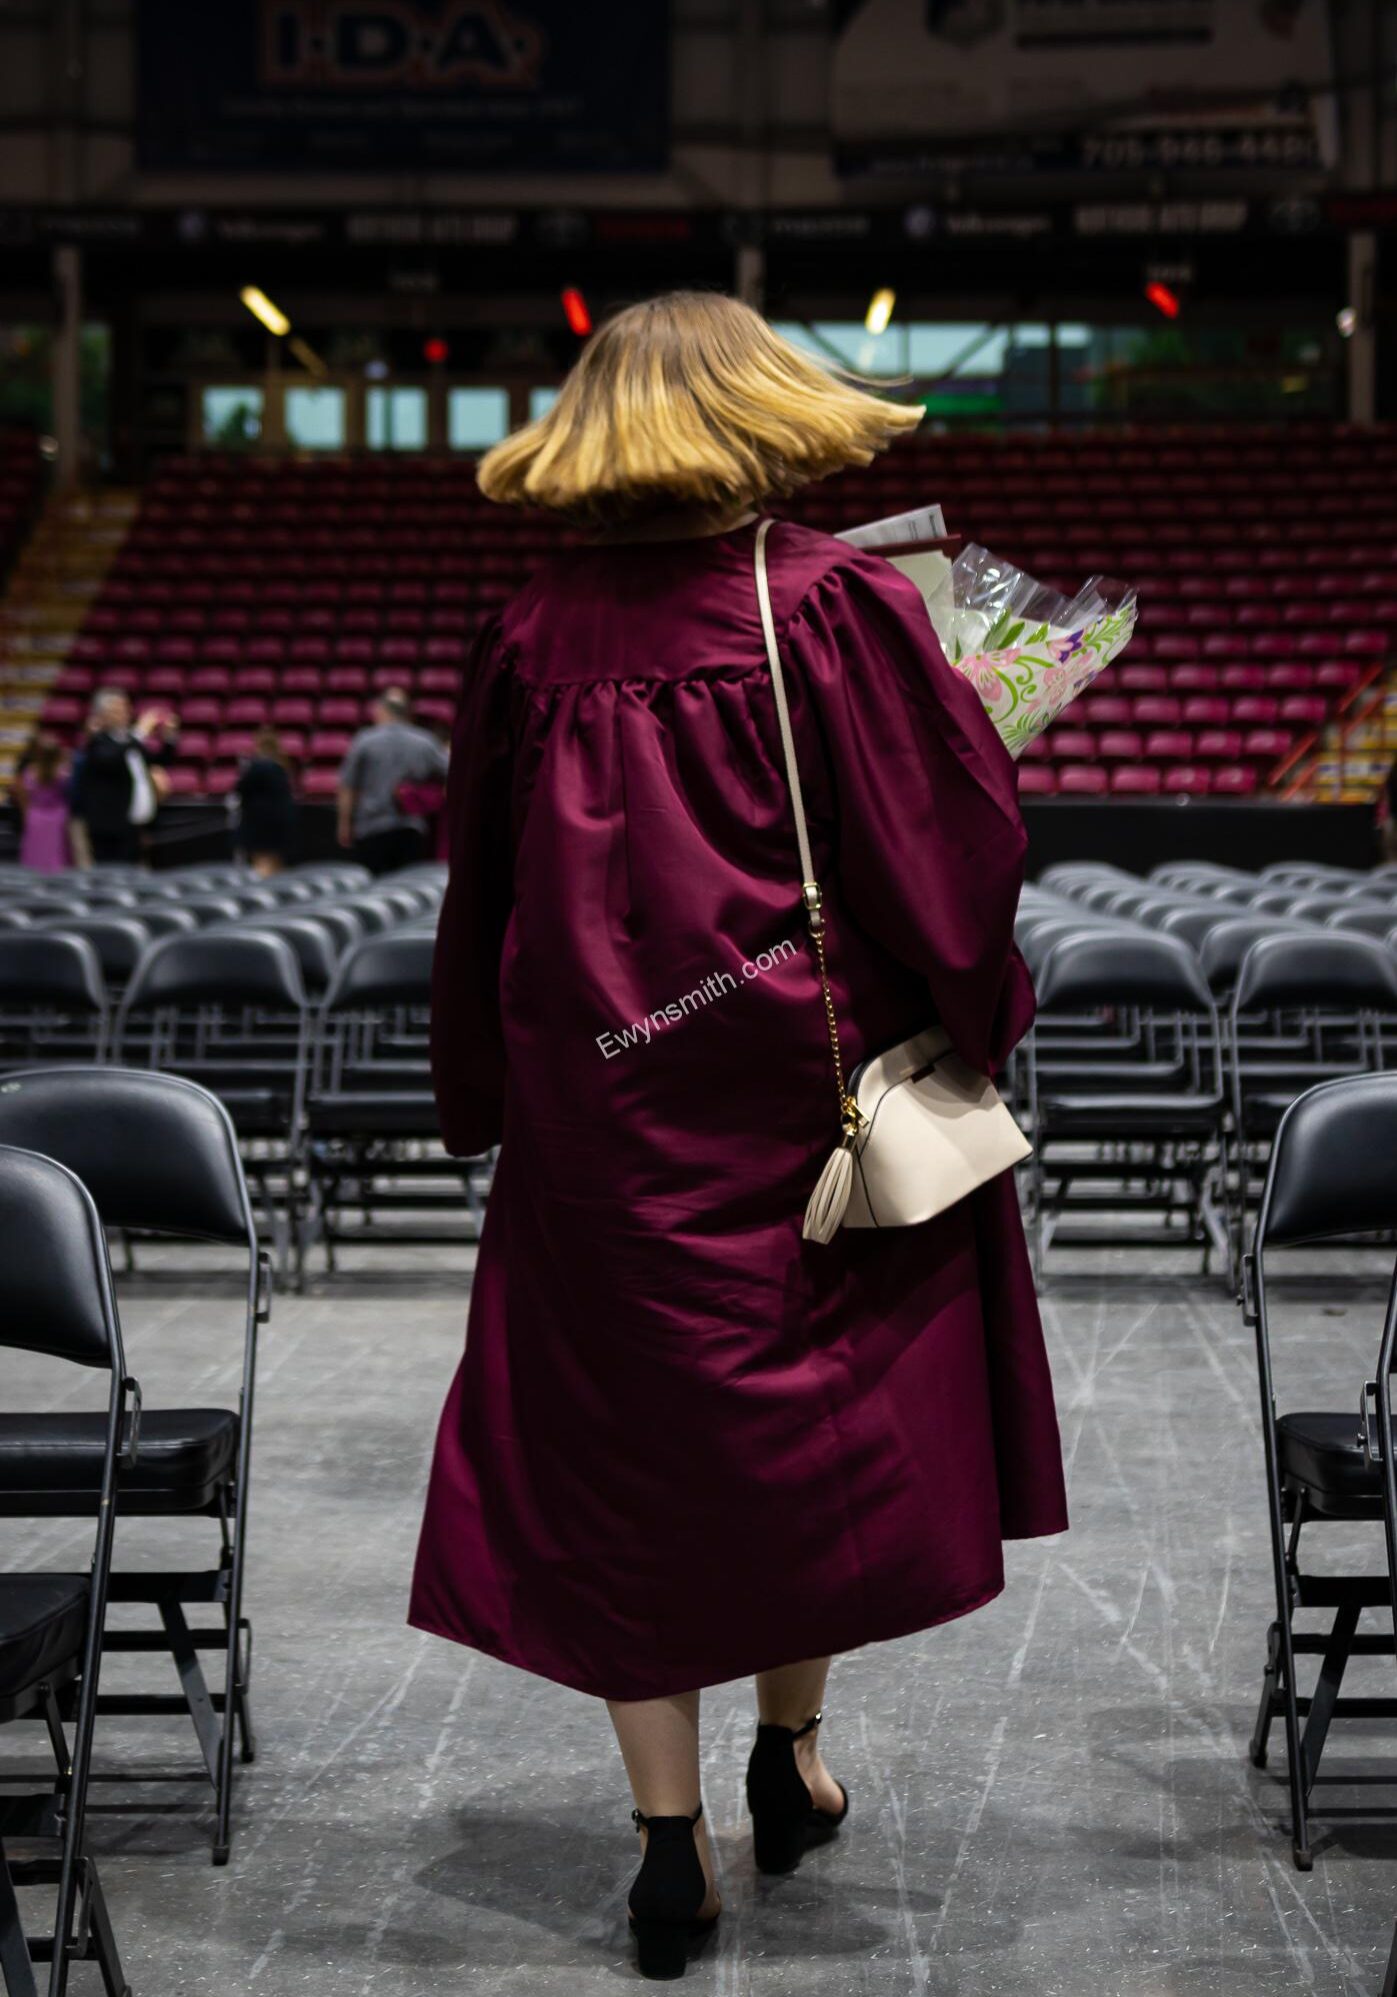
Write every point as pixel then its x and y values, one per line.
pixel 1108 85
pixel 347 86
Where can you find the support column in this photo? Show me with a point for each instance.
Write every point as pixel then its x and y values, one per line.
pixel 67 365
pixel 273 413
pixel 437 416
pixel 1362 344
pixel 356 410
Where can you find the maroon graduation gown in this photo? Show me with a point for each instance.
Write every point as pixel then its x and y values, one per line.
pixel 683 1444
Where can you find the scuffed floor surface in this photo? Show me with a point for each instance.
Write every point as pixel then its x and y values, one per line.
pixel 1050 1797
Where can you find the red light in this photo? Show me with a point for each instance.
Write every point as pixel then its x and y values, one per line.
pixel 1163 299
pixel 435 350
pixel 578 317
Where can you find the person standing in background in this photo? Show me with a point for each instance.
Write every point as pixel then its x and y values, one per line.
pixel 41 790
pixel 118 795
pixel 382 758
pixel 267 806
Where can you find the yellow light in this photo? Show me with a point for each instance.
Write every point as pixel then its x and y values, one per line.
pixel 261 307
pixel 880 311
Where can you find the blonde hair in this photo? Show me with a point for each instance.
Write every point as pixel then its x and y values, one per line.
pixel 689 400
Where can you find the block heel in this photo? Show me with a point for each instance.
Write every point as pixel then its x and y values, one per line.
pixel 785 1821
pixel 666 1895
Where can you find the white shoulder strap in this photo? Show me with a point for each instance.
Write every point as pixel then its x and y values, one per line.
pixel 783 713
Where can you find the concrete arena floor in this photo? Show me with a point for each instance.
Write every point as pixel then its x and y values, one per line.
pixel 1052 1795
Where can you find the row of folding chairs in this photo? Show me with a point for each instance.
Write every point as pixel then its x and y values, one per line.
pixel 84 1152
pixel 1174 1030
pixel 315 1037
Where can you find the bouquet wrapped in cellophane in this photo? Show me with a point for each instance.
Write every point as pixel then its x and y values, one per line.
pixel 1028 650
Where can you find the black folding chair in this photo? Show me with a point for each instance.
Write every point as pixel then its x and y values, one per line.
pixel 1306 1008
pixel 118 938
pixel 316 943
pixel 1223 946
pixel 228 1009
pixel 1126 1113
pixel 53 1000
pixel 56 1298
pixel 373 1143
pixel 1332 1175
pixel 158 1155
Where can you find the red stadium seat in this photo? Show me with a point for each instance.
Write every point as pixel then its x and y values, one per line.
pixel 1081 780
pixel 1206 711
pixel 1234 780
pixel 1188 779
pixel 1156 710
pixel 1255 708
pixel 1218 744
pixel 292 713
pixel 1037 780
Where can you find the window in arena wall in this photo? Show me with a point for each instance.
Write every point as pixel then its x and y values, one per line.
pixel 844 343
pixel 314 418
pixel 476 417
pixel 396 419
pixel 541 400
pixel 975 370
pixel 1182 372
pixel 231 418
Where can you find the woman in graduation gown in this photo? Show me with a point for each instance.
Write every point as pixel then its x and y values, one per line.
pixel 685 1444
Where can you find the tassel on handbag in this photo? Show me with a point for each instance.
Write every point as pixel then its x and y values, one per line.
pixel 829 1202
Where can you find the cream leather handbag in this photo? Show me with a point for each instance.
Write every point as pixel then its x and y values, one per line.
pixel 919 1128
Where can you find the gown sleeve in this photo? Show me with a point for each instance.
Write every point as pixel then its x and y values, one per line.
pixel 467 1037
pixel 928 838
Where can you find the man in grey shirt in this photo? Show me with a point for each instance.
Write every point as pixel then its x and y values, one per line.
pixel 381 759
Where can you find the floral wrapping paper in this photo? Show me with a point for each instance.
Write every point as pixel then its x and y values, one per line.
pixel 1027 679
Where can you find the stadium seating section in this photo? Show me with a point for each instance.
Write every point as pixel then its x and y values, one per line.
pixel 250 590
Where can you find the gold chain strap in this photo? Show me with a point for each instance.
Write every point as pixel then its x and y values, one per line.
pixel 850 1115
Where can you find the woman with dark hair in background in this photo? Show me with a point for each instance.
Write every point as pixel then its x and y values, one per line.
pixel 267 806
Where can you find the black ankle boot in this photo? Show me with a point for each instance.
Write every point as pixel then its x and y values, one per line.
pixel 667 1893
pixel 785 1822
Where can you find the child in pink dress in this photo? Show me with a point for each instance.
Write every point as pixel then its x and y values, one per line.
pixel 41 791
